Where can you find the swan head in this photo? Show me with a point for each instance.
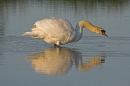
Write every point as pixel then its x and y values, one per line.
pixel 102 31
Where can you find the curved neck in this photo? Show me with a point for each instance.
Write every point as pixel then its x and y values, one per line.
pixel 89 26
pixel 79 29
pixel 78 33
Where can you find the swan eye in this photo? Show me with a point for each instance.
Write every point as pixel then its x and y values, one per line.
pixel 34 26
pixel 103 31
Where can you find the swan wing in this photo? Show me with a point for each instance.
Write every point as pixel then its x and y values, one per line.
pixel 56 29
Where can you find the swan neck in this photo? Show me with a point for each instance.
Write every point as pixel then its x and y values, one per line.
pixel 79 29
pixel 88 25
pixel 78 33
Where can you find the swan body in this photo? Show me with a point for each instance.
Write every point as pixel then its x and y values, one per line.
pixel 59 31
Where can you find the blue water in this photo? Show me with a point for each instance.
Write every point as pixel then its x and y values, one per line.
pixel 94 60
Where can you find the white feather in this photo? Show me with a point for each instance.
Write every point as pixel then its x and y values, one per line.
pixel 59 31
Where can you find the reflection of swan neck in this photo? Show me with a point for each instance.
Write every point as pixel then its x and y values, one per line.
pixel 93 62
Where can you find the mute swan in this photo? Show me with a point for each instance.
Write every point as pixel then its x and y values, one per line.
pixel 59 31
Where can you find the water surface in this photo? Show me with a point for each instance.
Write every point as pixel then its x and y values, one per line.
pixel 94 60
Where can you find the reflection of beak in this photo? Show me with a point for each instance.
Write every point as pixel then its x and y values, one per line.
pixel 104 34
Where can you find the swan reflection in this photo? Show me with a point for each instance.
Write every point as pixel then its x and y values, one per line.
pixel 58 61
pixel 92 62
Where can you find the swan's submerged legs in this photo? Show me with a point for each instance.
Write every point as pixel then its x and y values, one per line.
pixel 56 46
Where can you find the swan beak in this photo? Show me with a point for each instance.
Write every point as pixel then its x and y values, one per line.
pixel 104 34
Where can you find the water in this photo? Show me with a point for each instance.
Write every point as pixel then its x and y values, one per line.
pixel 94 60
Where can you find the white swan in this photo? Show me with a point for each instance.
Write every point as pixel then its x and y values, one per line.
pixel 59 31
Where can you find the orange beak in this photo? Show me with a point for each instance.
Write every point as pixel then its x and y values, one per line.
pixel 103 33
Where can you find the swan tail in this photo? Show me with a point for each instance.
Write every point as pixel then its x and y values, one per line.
pixel 29 34
pixel 33 34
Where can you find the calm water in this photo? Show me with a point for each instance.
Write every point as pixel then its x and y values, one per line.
pixel 93 61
